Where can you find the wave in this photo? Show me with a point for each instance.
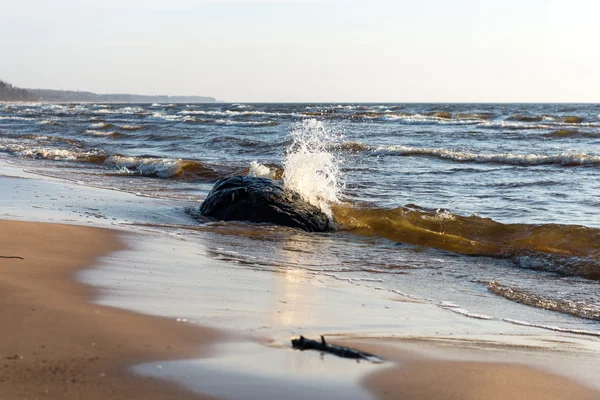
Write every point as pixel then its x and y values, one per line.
pixel 244 123
pixel 101 125
pixel 573 120
pixel 49 122
pixel 565 159
pixel 228 141
pixel 351 147
pixel 143 165
pixel 577 308
pixel 229 122
pixel 16 118
pixel 167 167
pixel 40 139
pixel 564 249
pixel 170 117
pixel 131 127
pixel 54 154
pixel 109 134
pixel 162 137
pixel 233 113
pixel 564 133
pixel 525 118
pixel 567 133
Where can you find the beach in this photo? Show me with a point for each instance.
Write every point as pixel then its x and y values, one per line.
pixel 456 257
pixel 58 342
pixel 55 343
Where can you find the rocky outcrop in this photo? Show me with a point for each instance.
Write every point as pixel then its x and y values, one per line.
pixel 245 198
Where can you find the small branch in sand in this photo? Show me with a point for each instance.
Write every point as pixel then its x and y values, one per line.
pixel 303 343
pixel 20 258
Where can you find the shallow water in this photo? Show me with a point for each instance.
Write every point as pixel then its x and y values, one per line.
pixel 434 203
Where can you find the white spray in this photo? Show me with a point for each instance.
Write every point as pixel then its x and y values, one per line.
pixel 260 171
pixel 310 168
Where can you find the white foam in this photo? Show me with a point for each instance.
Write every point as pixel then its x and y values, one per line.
pixel 553 328
pixel 310 168
pixel 48 122
pixel 440 214
pixel 260 171
pixel 99 125
pixel 447 305
pixel 241 123
pixel 230 113
pixel 500 158
pixel 16 118
pixel 161 167
pixel 132 127
pixel 167 117
pixel 43 152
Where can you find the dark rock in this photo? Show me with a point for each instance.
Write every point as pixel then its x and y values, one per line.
pixel 245 198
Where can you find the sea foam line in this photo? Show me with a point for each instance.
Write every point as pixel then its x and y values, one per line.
pixel 565 159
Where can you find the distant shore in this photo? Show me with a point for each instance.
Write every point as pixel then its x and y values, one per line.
pixel 11 93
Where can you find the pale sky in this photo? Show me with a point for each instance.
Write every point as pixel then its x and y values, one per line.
pixel 308 50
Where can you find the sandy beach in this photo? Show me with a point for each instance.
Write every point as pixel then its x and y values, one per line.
pixel 56 343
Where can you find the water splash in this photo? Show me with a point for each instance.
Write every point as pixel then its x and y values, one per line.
pixel 260 171
pixel 310 168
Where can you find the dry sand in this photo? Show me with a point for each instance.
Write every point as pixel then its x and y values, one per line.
pixel 55 344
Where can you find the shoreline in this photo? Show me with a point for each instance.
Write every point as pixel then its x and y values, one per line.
pixel 55 343
pixel 64 329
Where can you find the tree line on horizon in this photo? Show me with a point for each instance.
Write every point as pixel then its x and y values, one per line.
pixel 8 92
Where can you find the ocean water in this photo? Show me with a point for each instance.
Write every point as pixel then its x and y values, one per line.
pixel 488 211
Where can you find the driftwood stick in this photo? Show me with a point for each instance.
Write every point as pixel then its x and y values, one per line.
pixel 20 258
pixel 303 343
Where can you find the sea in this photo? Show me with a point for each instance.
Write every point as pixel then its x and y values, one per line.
pixel 485 211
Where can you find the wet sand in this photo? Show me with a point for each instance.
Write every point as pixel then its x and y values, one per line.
pixel 426 377
pixel 453 380
pixel 55 344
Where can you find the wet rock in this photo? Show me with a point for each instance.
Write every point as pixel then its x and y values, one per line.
pixel 245 198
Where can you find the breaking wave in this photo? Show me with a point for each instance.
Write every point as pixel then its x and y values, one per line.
pixel 564 249
pixel 109 134
pixel 131 127
pixel 565 159
pixel 167 167
pixel 101 125
pixel 144 165
pixel 50 153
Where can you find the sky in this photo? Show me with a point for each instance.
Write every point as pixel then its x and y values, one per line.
pixel 308 50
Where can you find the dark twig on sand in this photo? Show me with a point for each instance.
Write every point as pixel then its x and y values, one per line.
pixel 307 344
pixel 20 258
